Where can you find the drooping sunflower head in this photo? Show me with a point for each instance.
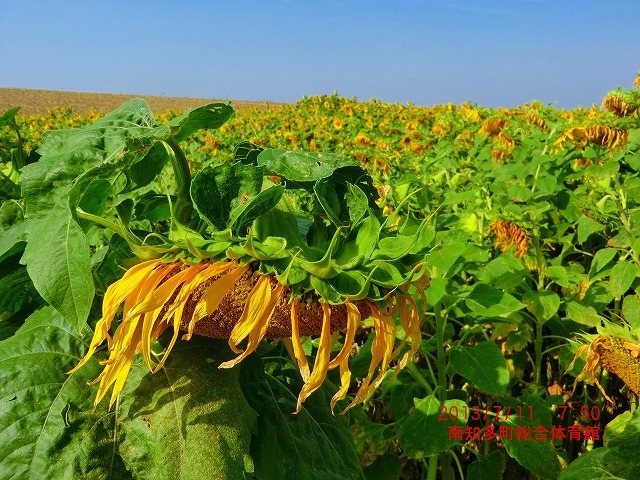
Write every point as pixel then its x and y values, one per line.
pixel 596 134
pixel 290 245
pixel 619 104
pixel 493 126
pixel 614 348
pixel 508 234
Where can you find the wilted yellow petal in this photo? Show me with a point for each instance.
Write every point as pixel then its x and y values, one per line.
pixel 152 306
pixel 345 381
pixel 298 351
pixel 321 364
pixel 254 311
pixel 114 296
pixel 212 297
pixel 163 293
pixel 353 320
pixel 381 351
pixel 259 311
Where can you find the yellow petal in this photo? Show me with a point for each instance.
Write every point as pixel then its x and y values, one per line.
pixel 158 298
pixel 298 351
pixel 410 321
pixel 381 351
pixel 255 327
pixel 353 320
pixel 254 311
pixel 321 364
pixel 345 381
pixel 201 277
pixel 212 297
pixel 163 293
pixel 114 296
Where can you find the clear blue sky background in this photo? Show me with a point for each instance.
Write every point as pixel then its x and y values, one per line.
pixel 490 52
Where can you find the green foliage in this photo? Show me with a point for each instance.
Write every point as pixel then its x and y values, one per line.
pixel 313 444
pixel 503 304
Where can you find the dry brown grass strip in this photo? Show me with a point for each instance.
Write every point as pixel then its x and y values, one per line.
pixel 38 102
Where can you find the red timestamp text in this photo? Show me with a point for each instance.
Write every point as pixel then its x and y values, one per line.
pixel 475 412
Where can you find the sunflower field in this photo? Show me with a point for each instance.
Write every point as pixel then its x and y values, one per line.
pixel 334 289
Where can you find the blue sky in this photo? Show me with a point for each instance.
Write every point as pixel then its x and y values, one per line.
pixel 490 52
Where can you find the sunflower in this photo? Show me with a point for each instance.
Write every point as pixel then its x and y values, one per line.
pixel 493 126
pixel 253 276
pixel 618 105
pixel 508 234
pixel 539 122
pixel 596 134
pixel 616 349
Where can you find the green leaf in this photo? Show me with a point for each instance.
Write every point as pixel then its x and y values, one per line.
pixel 302 166
pixel 385 467
pixel 188 421
pixel 622 276
pixel 216 191
pixel 326 192
pixel 210 117
pixel 436 290
pixel 48 429
pixel 247 153
pixel 426 417
pixel 58 262
pixel 621 462
pixel 357 203
pixel 631 310
pixel 543 304
pixel 582 313
pixel 619 458
pixel 358 251
pixel 587 226
pixel 442 259
pixel 537 455
pixel 310 445
pixel 483 365
pixel 600 260
pixel 490 467
pixel 488 301
pixel 559 275
pixel 13 239
pixel 243 215
pixel 16 291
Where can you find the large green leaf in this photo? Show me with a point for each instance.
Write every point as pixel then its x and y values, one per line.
pixel 302 166
pixel 622 274
pixel 217 191
pixel 189 421
pixel 424 433
pixel 74 162
pixel 488 301
pixel 619 458
pixel 483 365
pixel 526 419
pixel 58 262
pixel 490 467
pixel 543 304
pixel 313 444
pixel 244 214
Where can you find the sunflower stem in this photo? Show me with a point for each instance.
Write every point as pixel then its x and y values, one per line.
pixel 441 363
pixel 539 340
pixel 418 377
pixel 432 471
pixel 98 220
pixel 183 207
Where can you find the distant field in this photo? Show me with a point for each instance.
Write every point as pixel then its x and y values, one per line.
pixel 38 102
